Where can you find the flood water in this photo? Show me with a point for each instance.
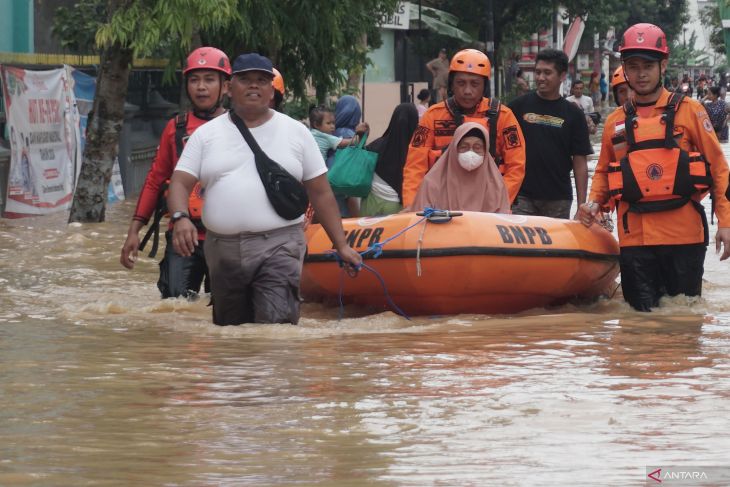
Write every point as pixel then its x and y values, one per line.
pixel 102 383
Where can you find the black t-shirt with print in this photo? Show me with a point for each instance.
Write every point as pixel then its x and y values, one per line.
pixel 555 131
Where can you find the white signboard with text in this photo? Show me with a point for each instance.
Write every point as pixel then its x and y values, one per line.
pixel 400 19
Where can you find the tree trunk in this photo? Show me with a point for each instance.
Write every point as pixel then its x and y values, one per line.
pixel 102 136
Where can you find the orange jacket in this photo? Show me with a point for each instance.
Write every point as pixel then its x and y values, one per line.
pixel 694 130
pixel 434 133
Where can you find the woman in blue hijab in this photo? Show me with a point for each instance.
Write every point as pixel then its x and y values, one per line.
pixel 347 116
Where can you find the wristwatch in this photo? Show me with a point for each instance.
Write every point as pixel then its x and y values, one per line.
pixel 178 215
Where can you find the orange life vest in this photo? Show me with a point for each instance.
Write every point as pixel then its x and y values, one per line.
pixel 656 174
pixel 195 202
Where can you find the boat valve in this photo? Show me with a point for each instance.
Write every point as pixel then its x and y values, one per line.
pixel 439 216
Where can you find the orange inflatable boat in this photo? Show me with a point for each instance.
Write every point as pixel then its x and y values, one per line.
pixel 471 263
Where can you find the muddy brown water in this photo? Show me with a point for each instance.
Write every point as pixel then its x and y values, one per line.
pixel 102 383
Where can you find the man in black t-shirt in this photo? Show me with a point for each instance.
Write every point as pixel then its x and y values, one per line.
pixel 556 139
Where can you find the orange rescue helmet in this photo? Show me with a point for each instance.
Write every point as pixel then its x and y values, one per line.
pixel 644 40
pixel 618 77
pixel 471 61
pixel 208 58
pixel 278 82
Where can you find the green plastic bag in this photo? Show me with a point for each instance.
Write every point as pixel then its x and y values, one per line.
pixel 352 170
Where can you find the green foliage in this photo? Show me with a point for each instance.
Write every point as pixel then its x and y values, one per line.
pixel 163 27
pixel 515 20
pixel 322 42
pixel 670 15
pixel 710 18
pixel 684 53
pixel 298 108
pixel 76 27
pixel 143 25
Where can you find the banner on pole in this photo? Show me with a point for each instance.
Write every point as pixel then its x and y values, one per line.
pixel 572 38
pixel 46 115
pixel 43 140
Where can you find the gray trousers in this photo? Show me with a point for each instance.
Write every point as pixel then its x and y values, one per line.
pixel 552 208
pixel 255 276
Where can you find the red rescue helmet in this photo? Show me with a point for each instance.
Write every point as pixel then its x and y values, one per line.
pixel 471 61
pixel 278 82
pixel 644 40
pixel 208 58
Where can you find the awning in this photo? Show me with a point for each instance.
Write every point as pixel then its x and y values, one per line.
pixel 438 21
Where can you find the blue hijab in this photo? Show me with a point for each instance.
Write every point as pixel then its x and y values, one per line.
pixel 347 116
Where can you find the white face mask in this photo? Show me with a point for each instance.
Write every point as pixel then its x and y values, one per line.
pixel 470 160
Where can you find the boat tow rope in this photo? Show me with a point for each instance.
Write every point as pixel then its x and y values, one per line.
pixel 429 215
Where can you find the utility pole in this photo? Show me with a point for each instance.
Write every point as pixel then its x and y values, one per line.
pixel 489 42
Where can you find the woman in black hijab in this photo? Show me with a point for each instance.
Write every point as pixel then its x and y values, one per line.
pixel 385 196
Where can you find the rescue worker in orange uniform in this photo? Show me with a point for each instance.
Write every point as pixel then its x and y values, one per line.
pixel 469 74
pixel 621 94
pixel 659 157
pixel 206 75
pixel 620 87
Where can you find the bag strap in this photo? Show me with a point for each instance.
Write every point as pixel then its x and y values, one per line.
pixel 154 229
pixel 493 118
pixel 181 125
pixel 246 133
pixel 669 112
pixel 363 139
pixel 264 164
pixel 455 111
pixel 629 119
pixel 259 155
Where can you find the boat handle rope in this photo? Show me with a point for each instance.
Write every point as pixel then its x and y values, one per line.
pixel 377 275
pixel 429 215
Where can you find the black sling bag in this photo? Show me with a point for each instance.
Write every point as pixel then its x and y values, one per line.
pixel 286 194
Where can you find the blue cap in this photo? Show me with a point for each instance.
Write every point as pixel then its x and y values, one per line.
pixel 252 62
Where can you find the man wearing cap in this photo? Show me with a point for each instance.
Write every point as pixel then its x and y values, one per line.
pixel 659 158
pixel 254 255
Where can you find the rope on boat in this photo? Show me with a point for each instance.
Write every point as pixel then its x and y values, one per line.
pixel 429 215
pixel 352 272
pixel 418 251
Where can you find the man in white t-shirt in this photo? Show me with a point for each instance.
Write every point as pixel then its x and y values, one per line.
pixel 254 256
pixel 585 103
